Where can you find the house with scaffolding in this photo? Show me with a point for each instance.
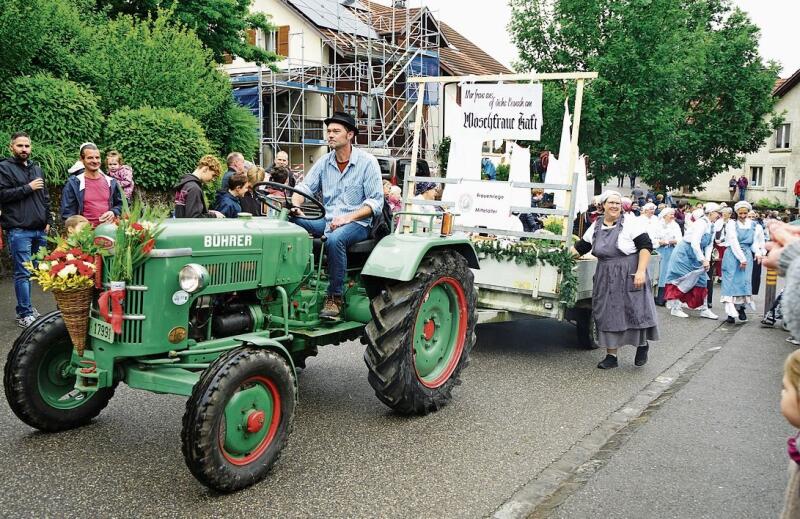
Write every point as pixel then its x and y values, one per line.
pixel 354 56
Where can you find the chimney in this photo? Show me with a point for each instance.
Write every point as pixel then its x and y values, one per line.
pixel 399 4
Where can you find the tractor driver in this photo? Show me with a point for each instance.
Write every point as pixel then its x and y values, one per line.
pixel 350 182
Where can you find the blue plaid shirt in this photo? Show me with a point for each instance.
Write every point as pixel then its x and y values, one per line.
pixel 343 193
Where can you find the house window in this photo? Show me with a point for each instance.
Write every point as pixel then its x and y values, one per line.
pixel 779 177
pixel 782 136
pixel 268 42
pixel 756 176
pixel 374 109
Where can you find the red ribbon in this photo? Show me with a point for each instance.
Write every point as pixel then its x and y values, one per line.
pixel 116 296
pixel 98 271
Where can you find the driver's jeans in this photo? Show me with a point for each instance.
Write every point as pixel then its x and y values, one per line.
pixel 339 240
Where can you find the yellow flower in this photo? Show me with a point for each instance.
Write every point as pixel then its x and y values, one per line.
pixel 44 266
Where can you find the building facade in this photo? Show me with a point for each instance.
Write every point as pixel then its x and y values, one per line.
pixel 353 56
pixel 773 170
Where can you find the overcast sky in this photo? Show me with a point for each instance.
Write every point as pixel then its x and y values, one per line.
pixel 485 24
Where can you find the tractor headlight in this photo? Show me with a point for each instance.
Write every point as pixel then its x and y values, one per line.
pixel 192 277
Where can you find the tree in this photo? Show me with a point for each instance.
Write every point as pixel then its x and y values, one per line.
pixel 235 129
pixel 221 25
pixel 44 36
pixel 682 92
pixel 134 63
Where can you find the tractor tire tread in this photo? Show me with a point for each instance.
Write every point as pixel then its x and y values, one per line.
pixel 198 442
pixel 22 398
pixel 387 356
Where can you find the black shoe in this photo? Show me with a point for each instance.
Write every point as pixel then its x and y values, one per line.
pixel 609 362
pixel 742 315
pixel 730 320
pixel 641 355
pixel 767 322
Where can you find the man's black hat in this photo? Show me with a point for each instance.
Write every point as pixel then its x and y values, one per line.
pixel 344 119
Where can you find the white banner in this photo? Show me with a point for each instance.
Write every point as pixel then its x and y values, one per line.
pixel 485 204
pixel 495 111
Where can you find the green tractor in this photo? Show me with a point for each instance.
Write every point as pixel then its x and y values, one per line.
pixel 225 311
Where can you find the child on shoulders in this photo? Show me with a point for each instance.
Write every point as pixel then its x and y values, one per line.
pixel 121 172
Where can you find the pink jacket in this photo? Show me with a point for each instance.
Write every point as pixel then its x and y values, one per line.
pixel 124 175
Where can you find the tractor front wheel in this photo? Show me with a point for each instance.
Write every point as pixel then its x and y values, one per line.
pixel 39 379
pixel 238 419
pixel 421 335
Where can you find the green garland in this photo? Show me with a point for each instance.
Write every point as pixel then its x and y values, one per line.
pixel 529 254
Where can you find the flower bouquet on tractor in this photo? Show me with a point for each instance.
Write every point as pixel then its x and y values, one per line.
pixel 134 238
pixel 71 271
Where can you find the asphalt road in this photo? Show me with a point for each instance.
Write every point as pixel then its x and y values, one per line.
pixel 717 448
pixel 527 397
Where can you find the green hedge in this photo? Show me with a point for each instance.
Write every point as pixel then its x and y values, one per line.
pixel 54 112
pixel 58 114
pixel 160 144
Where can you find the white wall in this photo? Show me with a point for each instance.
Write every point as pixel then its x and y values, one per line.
pixel 304 40
pixel 767 157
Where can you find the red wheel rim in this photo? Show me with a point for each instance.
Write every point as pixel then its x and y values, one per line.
pixel 429 329
pixel 273 424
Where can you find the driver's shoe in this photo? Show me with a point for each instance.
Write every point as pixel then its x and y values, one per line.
pixel 332 308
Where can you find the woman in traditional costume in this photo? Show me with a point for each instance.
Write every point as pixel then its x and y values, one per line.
pixel 666 237
pixel 622 300
pixel 745 244
pixel 686 281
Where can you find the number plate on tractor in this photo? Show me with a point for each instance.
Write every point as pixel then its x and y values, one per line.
pixel 101 330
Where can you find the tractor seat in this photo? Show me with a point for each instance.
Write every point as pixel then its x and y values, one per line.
pixel 358 252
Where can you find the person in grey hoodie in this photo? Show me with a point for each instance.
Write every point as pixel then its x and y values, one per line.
pixel 784 255
pixel 784 251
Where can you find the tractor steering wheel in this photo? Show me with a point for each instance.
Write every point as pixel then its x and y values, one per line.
pixel 286 203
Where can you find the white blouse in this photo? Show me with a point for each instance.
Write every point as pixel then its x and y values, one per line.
pixel 650 226
pixel 632 227
pixel 733 240
pixel 694 234
pixel 719 225
pixel 666 232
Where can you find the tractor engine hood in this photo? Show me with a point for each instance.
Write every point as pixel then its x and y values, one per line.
pixel 213 236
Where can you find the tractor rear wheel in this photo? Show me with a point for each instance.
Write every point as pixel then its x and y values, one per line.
pixel 39 380
pixel 421 335
pixel 238 419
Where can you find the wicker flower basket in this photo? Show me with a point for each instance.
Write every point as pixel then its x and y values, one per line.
pixel 75 306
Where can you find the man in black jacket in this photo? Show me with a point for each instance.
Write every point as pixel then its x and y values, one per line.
pixel 26 218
